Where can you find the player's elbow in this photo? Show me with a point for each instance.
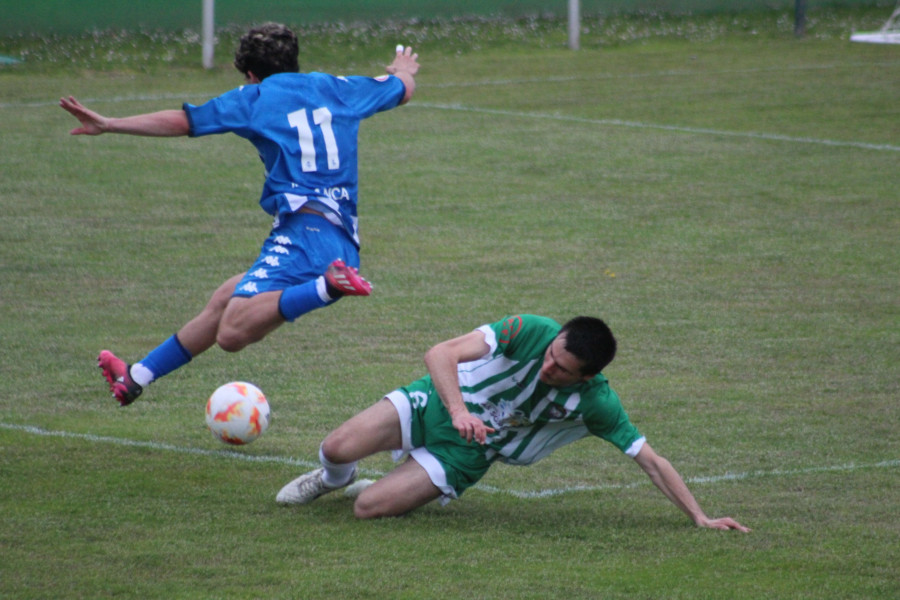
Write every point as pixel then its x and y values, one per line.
pixel 432 356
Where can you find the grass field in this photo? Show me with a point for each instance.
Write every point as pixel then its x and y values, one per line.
pixel 723 194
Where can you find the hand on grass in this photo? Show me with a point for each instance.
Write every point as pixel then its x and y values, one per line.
pixel 724 523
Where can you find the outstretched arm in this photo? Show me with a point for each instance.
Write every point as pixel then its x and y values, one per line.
pixel 442 361
pixel 670 483
pixel 165 123
pixel 405 67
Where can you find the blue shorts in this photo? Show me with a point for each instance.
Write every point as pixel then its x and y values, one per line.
pixel 299 249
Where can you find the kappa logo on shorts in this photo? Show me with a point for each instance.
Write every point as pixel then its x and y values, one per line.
pixel 511 328
pixel 250 287
pixel 279 250
pixel 272 261
pixel 283 240
pixel 260 274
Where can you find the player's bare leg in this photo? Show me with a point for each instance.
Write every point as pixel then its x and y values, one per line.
pixel 375 429
pixel 404 489
pixel 248 320
pixel 235 322
pixel 199 334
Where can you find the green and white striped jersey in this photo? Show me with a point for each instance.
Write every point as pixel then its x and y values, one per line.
pixel 531 418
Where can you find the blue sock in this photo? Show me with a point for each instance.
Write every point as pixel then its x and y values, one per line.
pixel 164 359
pixel 301 299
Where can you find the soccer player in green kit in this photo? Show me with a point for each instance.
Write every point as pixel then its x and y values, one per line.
pixel 513 391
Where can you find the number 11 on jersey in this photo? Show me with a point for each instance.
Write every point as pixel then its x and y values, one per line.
pixel 322 118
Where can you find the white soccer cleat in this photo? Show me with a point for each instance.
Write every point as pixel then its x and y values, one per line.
pixel 355 489
pixel 308 487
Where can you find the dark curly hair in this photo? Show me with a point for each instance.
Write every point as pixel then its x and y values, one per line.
pixel 267 49
pixel 590 340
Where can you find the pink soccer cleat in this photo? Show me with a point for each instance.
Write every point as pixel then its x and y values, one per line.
pixel 346 280
pixel 115 371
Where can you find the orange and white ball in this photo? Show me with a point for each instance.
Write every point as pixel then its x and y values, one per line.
pixel 237 413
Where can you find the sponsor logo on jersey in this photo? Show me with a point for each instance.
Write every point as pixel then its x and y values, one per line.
pixel 504 415
pixel 557 412
pixel 511 328
pixel 335 193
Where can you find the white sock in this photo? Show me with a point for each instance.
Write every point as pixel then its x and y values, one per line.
pixel 141 375
pixel 322 289
pixel 336 474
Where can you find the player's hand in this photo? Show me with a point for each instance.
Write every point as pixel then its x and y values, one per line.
pixel 405 60
pixel 91 123
pixel 471 427
pixel 724 523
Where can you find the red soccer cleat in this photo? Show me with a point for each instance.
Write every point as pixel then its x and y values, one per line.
pixel 115 371
pixel 346 280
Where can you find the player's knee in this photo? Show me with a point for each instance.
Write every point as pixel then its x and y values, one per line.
pixel 365 508
pixel 362 512
pixel 231 340
pixel 335 446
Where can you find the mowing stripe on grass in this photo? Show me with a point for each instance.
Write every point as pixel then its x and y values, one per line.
pixel 511 81
pixel 235 455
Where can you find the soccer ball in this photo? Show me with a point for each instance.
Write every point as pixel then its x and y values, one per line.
pixel 237 413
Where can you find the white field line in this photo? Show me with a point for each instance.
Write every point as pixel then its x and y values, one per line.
pixel 682 73
pixel 236 455
pixel 642 125
pixel 101 439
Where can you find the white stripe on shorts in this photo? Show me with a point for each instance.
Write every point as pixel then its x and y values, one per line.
pixel 426 459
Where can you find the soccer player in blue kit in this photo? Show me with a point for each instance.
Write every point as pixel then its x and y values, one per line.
pixel 304 126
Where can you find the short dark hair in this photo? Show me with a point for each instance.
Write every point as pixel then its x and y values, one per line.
pixel 268 49
pixel 591 341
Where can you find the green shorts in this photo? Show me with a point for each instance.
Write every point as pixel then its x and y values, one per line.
pixel 452 463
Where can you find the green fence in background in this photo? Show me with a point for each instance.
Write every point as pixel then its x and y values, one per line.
pixel 72 16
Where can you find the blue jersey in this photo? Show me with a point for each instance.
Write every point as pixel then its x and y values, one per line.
pixel 305 127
